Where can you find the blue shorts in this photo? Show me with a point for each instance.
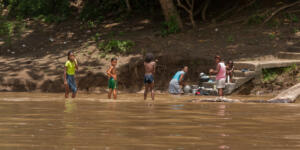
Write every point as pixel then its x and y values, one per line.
pixel 148 79
pixel 72 83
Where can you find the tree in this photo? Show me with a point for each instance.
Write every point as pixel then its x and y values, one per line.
pixel 170 11
pixel 128 5
pixel 189 8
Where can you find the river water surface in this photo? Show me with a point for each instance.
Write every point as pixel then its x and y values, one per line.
pixel 48 121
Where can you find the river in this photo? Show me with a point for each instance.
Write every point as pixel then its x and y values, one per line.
pixel 36 121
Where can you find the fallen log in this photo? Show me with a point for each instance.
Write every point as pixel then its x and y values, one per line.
pixel 287 96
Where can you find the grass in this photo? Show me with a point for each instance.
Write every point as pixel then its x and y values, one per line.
pixel 272 35
pixel 115 46
pixel 292 17
pixel 230 38
pixel 256 19
pixel 10 29
pixel 170 27
pixel 270 75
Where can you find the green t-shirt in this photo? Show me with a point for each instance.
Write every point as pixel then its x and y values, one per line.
pixel 70 67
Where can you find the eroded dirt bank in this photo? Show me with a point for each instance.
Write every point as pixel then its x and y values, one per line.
pixel 35 62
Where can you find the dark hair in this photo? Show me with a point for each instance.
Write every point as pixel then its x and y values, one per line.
pixel 113 59
pixel 218 57
pixel 69 53
pixel 149 57
pixel 182 67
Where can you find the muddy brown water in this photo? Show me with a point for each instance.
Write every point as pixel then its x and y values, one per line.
pixel 30 121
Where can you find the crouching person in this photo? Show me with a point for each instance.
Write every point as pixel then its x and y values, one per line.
pixel 177 80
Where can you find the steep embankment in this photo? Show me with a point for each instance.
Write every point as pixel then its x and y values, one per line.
pixel 35 61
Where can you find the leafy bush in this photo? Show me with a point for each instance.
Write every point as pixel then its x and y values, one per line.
pixel 256 19
pixel 9 28
pixel 270 75
pixel 230 38
pixel 292 17
pixel 272 35
pixel 50 10
pixel 96 10
pixel 170 27
pixel 116 46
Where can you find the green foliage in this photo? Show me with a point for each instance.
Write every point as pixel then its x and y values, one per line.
pixel 95 10
pixel 91 24
pixel 96 37
pixel 170 27
pixel 256 19
pixel 275 22
pixel 8 29
pixel 292 17
pixel 272 35
pixel 48 10
pixel 230 38
pixel 270 75
pixel 115 46
pixel 295 30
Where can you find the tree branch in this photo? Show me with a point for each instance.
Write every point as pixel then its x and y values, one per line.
pixel 280 9
pixel 182 6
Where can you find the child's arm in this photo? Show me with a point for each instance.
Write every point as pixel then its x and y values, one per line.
pixel 181 78
pixel 154 67
pixel 76 64
pixel 217 70
pixel 109 72
pixel 65 76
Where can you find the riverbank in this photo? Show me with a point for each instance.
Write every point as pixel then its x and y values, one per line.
pixel 35 61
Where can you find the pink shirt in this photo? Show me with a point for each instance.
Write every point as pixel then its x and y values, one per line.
pixel 222 72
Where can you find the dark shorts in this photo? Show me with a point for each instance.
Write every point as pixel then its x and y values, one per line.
pixel 112 83
pixel 72 83
pixel 148 79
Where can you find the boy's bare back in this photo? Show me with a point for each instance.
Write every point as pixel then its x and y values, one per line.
pixel 112 72
pixel 149 67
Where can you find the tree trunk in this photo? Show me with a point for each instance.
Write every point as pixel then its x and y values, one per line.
pixel 287 96
pixel 203 13
pixel 170 11
pixel 79 4
pixel 128 5
pixel 192 20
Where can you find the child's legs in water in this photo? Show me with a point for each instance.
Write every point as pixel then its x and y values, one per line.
pixel 66 91
pixel 115 93
pixel 109 93
pixel 220 92
pixel 151 86
pixel 146 90
pixel 74 94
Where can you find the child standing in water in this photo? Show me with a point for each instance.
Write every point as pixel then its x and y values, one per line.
pixel 149 64
pixel 112 78
pixel 229 71
pixel 220 75
pixel 69 75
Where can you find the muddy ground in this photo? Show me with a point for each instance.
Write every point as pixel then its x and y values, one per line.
pixel 35 61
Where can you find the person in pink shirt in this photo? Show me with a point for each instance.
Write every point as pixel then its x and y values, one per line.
pixel 220 73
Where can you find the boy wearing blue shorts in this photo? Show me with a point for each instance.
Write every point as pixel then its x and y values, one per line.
pixel 149 64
